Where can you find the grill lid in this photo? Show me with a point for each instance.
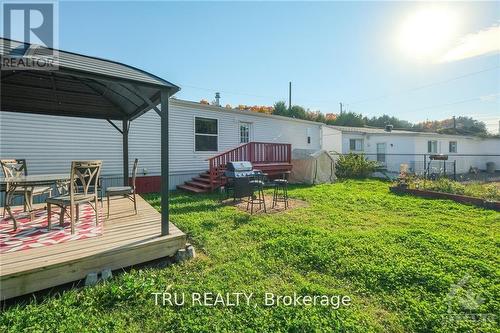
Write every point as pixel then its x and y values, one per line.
pixel 239 166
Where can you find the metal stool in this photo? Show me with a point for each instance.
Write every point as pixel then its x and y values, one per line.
pixel 280 193
pixel 257 184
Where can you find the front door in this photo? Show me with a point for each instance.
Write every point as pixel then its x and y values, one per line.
pixel 381 153
pixel 245 132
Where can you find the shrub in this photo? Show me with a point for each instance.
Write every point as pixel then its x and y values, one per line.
pixel 354 166
pixel 446 185
pixel 485 191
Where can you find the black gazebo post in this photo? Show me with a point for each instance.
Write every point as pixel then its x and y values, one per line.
pixel 125 151
pixel 164 96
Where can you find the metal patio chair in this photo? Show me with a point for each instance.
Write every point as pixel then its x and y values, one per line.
pixel 257 182
pixel 17 168
pixel 82 189
pixel 127 191
pixel 280 193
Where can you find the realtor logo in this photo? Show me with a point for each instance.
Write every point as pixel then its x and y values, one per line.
pixel 464 303
pixel 32 23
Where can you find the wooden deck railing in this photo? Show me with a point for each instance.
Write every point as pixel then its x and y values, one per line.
pixel 255 152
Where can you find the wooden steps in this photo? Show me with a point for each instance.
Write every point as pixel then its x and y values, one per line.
pixel 269 157
pixel 191 189
pixel 199 184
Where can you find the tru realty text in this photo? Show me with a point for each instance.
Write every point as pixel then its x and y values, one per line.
pixel 247 299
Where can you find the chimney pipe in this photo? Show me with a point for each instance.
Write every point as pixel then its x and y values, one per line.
pixel 217 99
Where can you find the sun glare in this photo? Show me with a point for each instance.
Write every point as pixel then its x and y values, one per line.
pixel 426 32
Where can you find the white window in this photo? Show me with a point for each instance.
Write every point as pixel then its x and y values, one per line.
pixel 432 146
pixel 453 147
pixel 356 144
pixel 245 132
pixel 206 132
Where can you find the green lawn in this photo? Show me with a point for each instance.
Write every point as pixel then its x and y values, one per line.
pixel 395 256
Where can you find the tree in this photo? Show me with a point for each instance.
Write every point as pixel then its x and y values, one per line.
pixel 315 116
pixel 461 125
pixel 330 118
pixel 349 119
pixel 387 120
pixel 298 112
pixel 280 109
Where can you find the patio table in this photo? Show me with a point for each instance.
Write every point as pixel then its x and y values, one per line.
pixel 12 183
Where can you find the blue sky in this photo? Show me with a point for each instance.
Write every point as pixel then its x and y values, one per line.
pixel 332 52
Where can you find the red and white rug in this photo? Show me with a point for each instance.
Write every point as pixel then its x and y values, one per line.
pixel 32 234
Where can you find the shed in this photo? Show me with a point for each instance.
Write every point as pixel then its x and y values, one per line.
pixel 312 167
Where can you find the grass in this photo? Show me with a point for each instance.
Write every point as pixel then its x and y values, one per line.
pixel 395 256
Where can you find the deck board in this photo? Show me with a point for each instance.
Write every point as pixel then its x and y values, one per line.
pixel 127 240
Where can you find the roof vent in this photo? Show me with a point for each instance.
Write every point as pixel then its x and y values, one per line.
pixel 388 128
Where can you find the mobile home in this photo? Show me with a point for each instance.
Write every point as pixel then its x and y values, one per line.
pixel 196 132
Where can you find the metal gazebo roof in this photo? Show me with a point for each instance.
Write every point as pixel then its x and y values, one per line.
pixel 81 86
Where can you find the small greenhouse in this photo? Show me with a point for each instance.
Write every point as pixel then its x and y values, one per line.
pixel 312 166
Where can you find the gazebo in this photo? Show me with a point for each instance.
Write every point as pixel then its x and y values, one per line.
pixel 89 87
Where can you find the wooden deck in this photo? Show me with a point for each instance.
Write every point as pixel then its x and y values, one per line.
pixel 127 240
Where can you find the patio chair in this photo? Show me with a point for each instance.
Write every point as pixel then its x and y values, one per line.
pixel 17 168
pixel 82 189
pixel 127 191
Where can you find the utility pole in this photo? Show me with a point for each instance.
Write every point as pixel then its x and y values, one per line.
pixel 290 96
pixel 340 107
pixel 454 122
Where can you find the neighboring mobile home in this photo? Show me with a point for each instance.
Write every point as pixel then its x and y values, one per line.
pixel 394 147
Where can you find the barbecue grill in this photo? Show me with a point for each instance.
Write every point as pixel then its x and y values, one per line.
pixel 239 175
pixel 239 169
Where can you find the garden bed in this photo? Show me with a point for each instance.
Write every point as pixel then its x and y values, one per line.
pixel 495 205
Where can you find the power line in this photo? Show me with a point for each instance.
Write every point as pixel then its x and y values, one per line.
pixel 359 101
pixel 448 104
pixel 424 86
